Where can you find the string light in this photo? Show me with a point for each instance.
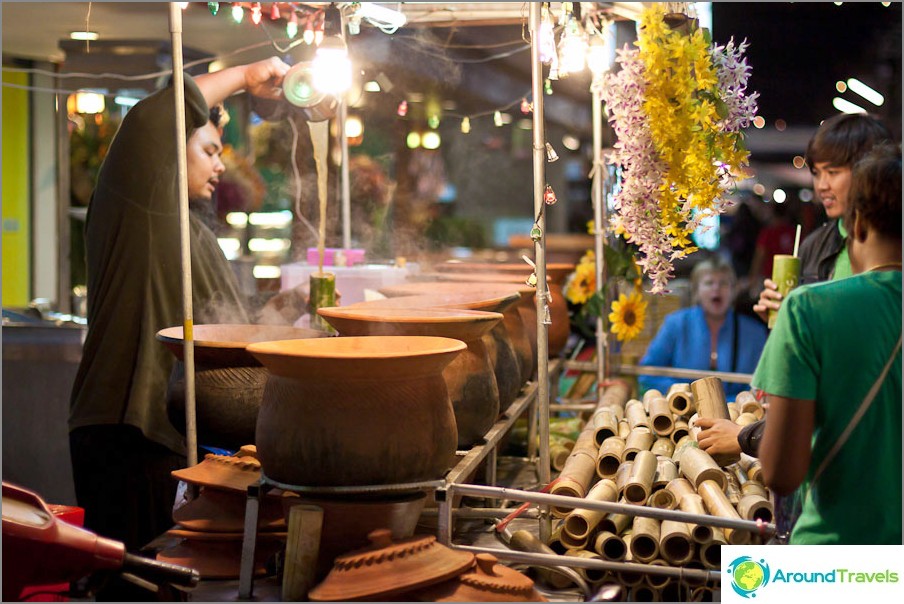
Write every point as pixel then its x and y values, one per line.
pixel 274 11
pixel 547 87
pixel 292 25
pixel 525 106
pixel 497 119
pixel 256 13
pixel 308 35
pixel 318 35
pixel 433 121
pixel 213 7
pixel 237 12
pixel 549 196
pixel 402 109
pixel 551 154
pixel 465 125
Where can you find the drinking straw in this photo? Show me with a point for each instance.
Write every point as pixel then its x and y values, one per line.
pixel 796 240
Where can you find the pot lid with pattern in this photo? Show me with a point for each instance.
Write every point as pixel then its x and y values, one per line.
pixel 487 581
pixel 386 568
pixel 223 471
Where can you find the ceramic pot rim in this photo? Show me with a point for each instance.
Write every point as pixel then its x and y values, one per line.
pixel 214 339
pixel 418 316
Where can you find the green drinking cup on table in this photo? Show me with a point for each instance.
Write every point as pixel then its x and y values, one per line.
pixel 786 274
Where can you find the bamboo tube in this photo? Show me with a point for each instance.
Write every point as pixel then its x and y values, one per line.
pixel 648 397
pixel 616 394
pixel 750 487
pixel 605 424
pixel 681 399
pixel 680 430
pixel 580 468
pixel 755 507
pixel 629 578
pixel 661 417
pixel 623 428
pixel 663 446
pixel 732 488
pixel 662 499
pixel 558 455
pixel 736 408
pixel 748 404
pixel 689 501
pixel 622 476
pixel 609 457
pixel 555 541
pixel 525 541
pixel 681 445
pixel 610 546
pixel 710 554
pixel 640 481
pixel 570 542
pixel 636 415
pixel 745 419
pixel 644 593
pixel 698 466
pixel 703 593
pixel 710 397
pixel 666 471
pixel 322 288
pixel 718 505
pixel 591 575
pixel 675 591
pixel 580 523
pixel 675 543
pixel 302 547
pixel 616 523
pixel 694 564
pixel 657 582
pixel 640 439
pixel 645 539
pixel 752 467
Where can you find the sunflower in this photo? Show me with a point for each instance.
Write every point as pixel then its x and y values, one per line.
pixel 582 283
pixel 627 316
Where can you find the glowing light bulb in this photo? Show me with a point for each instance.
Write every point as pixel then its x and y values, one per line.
pixel 213 7
pixel 237 12
pixel 308 35
pixel 497 119
pixel 549 196
pixel 433 121
pixel 274 11
pixel 525 107
pixel 332 69
pixel 402 109
pixel 318 36
pixel 256 13
pixel 292 25
pixel 465 125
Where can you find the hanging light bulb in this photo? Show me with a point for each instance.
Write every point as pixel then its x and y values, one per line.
pixel 597 56
pixel 402 109
pixel 549 196
pixel 213 7
pixel 497 119
pixel 433 121
pixel 274 11
pixel 547 36
pixel 256 13
pixel 547 86
pixel 525 106
pixel 237 12
pixel 551 154
pixel 465 125
pixel 318 35
pixel 332 69
pixel 572 48
pixel 308 35
pixel 292 25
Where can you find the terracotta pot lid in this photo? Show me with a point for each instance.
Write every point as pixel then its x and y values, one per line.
pixel 387 568
pixel 487 581
pixel 223 511
pixel 223 345
pixel 223 471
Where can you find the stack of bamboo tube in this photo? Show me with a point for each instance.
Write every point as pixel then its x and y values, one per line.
pixel 643 452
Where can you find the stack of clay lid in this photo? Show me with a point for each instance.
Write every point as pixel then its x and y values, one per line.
pixel 387 568
pixel 487 581
pixel 210 527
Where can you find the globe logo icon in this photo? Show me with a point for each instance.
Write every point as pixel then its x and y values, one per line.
pixel 748 575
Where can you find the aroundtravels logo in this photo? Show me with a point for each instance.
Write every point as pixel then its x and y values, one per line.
pixel 748 575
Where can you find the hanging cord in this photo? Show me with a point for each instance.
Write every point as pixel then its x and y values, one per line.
pixel 297 174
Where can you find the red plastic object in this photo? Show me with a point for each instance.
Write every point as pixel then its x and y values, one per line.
pixel 43 552
pixel 53 593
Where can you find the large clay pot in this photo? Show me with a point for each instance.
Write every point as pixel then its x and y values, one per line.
pixel 556 275
pixel 229 382
pixel 491 298
pixel 357 410
pixel 469 378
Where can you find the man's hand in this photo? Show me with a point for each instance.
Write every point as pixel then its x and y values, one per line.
pixel 718 435
pixel 264 78
pixel 770 299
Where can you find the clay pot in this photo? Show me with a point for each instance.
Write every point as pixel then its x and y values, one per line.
pixel 516 320
pixel 469 377
pixel 229 382
pixel 348 521
pixel 556 274
pixel 356 411
pixel 219 555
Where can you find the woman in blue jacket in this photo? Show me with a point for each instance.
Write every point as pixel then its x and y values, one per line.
pixel 709 335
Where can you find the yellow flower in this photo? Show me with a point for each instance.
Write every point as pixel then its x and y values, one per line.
pixel 627 316
pixel 582 283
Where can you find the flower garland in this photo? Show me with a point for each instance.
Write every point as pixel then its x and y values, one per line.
pixel 677 105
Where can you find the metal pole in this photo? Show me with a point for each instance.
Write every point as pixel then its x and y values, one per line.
pixel 191 428
pixel 599 228
pixel 346 203
pixel 542 297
